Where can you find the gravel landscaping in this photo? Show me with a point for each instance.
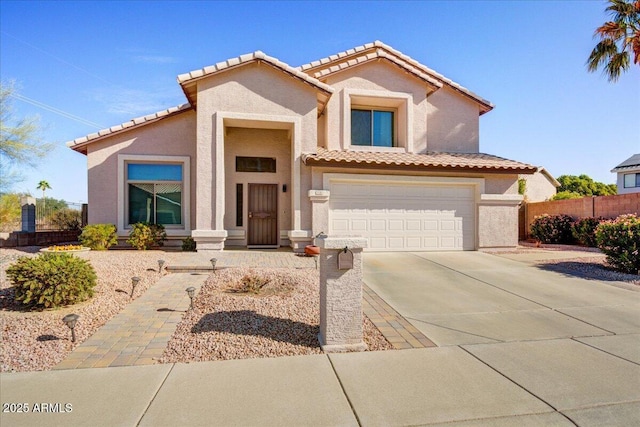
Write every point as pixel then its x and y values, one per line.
pixel 227 322
pixel 38 340
pixel 282 320
pixel 591 268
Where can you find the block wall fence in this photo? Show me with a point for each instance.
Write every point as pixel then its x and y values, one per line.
pixel 599 206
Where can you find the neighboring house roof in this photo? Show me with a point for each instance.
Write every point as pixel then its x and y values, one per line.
pixel 429 161
pixel 342 60
pixel 632 162
pixel 550 177
pixel 80 144
pixel 188 80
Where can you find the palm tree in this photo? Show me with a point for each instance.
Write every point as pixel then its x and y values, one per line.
pixel 43 185
pixel 619 38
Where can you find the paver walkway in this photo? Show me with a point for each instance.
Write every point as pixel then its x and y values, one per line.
pixel 138 334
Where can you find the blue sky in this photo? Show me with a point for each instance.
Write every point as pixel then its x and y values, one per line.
pixel 108 62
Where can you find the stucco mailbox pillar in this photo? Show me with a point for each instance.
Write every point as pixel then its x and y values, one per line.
pixel 340 262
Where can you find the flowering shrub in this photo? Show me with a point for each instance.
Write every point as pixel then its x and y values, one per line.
pixel 144 235
pixel 552 228
pixel 64 248
pixel 619 239
pixel 584 230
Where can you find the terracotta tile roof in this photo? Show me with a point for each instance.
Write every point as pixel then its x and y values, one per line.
pixel 79 144
pixel 371 56
pixel 429 161
pixel 319 68
pixel 187 80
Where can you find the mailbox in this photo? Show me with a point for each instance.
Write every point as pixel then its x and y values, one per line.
pixel 345 259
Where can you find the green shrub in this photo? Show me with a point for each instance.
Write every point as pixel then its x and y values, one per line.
pixel 188 244
pixel 552 228
pixel 144 235
pixel 584 230
pixel 99 237
pixel 52 280
pixel 619 239
pixel 67 219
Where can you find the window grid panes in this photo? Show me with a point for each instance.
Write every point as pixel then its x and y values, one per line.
pixel 372 128
pixel 155 193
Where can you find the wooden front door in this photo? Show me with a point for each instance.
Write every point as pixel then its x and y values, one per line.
pixel 263 215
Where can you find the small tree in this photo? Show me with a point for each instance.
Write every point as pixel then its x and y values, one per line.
pixel 20 141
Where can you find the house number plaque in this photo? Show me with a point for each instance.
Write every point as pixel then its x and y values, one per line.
pixel 345 259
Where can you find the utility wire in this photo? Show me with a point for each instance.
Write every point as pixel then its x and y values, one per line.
pixel 57 111
pixel 58 58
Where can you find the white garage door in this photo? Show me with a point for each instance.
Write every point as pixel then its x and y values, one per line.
pixel 404 217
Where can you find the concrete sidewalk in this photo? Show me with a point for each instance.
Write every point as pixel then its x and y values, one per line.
pixel 561 382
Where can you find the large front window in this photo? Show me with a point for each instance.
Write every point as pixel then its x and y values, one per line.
pixel 372 128
pixel 155 193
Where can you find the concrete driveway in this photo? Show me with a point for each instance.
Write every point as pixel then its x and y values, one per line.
pixel 572 343
pixel 458 298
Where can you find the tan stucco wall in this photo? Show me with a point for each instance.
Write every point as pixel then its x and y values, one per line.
pixel 377 76
pixel 501 184
pixel 173 136
pixel 259 90
pixel 256 143
pixel 497 226
pixel 453 123
pixel 538 188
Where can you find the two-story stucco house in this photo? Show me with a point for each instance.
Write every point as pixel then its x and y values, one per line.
pixel 366 142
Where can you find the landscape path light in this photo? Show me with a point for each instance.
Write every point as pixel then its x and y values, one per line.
pixel 70 320
pixel 191 291
pixel 134 282
pixel 160 265
pixel 213 263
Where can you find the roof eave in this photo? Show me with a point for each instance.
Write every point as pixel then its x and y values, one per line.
pixel 80 144
pixel 311 161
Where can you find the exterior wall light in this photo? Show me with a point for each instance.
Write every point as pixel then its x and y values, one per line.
pixel 70 320
pixel 134 282
pixel 191 291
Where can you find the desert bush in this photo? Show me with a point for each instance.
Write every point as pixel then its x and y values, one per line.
pixel 52 280
pixel 99 237
pixel 552 228
pixel 144 235
pixel 584 230
pixel 67 219
pixel 188 244
pixel 619 239
pixel 10 212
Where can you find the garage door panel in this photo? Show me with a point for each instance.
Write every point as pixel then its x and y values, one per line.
pixel 404 217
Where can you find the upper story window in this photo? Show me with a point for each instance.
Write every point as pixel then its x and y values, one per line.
pixel 631 180
pixel 255 164
pixel 155 193
pixel 373 128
